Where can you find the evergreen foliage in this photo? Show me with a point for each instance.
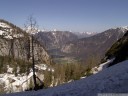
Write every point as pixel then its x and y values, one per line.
pixel 65 73
pixel 14 63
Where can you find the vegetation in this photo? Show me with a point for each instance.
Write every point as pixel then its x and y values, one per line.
pixel 47 78
pixel 65 73
pixel 14 63
pixel 2 91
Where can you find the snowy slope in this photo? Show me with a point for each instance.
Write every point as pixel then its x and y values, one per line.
pixel 3 25
pixel 102 66
pixel 111 80
pixel 8 31
pixel 21 82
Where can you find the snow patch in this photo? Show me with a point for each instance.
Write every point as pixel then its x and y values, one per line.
pixel 9 69
pixel 21 81
pixel 101 66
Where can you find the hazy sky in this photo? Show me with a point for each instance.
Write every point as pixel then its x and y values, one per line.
pixel 75 15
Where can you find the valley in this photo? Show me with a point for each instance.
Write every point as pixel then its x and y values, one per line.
pixel 59 56
pixel 63 48
pixel 71 48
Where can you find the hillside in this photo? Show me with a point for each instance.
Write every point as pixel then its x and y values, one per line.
pixel 119 50
pixel 16 58
pixel 109 80
pixel 67 47
pixel 15 43
pixel 55 39
pixel 84 34
pixel 54 42
pixel 94 46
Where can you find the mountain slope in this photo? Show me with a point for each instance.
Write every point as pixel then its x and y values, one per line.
pixel 16 58
pixel 16 45
pixel 109 80
pixel 96 45
pixel 84 34
pixel 55 40
pixel 119 50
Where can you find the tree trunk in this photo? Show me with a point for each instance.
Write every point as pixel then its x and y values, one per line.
pixel 33 66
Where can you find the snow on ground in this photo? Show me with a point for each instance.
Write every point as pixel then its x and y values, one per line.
pixel 101 66
pixel 41 66
pixel 7 31
pixel 13 83
pixel 3 25
pixel 19 83
pixel 111 80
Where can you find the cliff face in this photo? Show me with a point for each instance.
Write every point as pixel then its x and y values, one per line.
pixel 16 43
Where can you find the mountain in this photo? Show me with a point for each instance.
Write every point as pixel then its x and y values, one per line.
pixel 66 46
pixel 55 40
pixel 111 80
pixel 94 46
pixel 118 50
pixel 84 34
pixel 15 42
pixel 108 80
pixel 15 61
pixel 16 58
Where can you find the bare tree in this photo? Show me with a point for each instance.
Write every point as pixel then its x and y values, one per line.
pixel 31 28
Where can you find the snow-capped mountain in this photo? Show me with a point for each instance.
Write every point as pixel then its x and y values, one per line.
pixel 96 45
pixel 84 34
pixel 15 42
pixel 123 29
pixel 55 39
pixel 3 25
pixel 78 45
pixel 15 66
pixel 10 31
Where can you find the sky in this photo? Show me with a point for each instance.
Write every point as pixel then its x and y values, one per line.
pixel 67 15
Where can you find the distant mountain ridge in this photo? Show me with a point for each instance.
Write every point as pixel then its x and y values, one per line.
pixel 95 45
pixel 70 45
pixel 55 39
pixel 84 34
